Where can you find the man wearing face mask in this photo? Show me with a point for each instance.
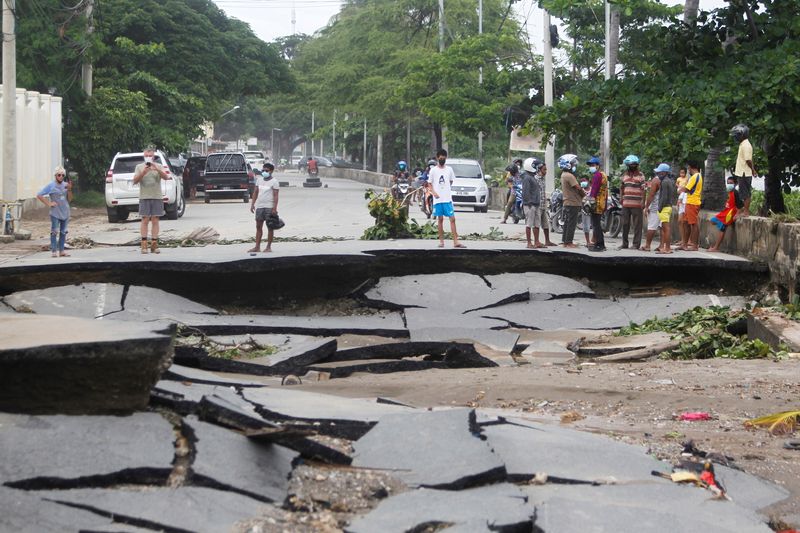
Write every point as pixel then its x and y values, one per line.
pixel 264 204
pixel 598 191
pixel 441 178
pixel 148 176
pixel 632 192
pixel 727 216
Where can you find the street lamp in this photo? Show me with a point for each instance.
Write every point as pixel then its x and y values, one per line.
pixel 272 144
pixel 234 108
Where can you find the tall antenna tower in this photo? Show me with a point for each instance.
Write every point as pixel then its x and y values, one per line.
pixel 294 21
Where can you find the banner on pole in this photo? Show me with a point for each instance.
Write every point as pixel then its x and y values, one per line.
pixel 524 143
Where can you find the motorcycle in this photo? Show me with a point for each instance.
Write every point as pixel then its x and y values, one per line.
pixel 611 221
pixel 313 172
pixel 556 211
pixel 400 188
pixel 425 199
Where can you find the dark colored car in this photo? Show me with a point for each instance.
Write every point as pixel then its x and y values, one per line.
pixel 227 175
pixel 193 172
pixel 342 163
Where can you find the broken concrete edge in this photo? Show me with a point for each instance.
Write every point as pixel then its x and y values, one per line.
pixel 242 329
pixel 172 376
pixel 397 350
pixel 128 476
pixel 339 428
pixel 383 367
pixel 514 298
pixel 194 357
pixel 118 518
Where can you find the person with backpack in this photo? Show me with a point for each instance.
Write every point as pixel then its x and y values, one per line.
pixel 727 216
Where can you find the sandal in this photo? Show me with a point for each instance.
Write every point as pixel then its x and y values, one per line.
pixel 459 245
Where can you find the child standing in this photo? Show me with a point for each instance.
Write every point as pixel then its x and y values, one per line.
pixel 59 193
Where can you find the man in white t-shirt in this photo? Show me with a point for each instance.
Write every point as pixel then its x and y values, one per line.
pixel 264 203
pixel 745 169
pixel 441 179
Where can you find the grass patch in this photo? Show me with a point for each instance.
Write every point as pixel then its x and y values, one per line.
pixel 791 199
pixel 89 199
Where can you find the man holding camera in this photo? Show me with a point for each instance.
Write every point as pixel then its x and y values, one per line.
pixel 148 176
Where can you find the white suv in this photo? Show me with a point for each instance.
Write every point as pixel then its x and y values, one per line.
pixel 122 195
pixel 469 187
pixel 255 158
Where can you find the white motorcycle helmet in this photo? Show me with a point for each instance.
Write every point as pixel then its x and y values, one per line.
pixel 532 165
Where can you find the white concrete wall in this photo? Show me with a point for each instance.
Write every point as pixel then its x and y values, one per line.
pixel 39 148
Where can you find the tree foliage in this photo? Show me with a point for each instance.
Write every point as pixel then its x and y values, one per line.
pixel 184 60
pixel 683 87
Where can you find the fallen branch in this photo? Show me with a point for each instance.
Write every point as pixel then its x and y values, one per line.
pixel 641 354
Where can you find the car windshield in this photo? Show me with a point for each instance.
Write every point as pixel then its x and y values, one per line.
pixel 466 170
pixel 225 163
pixel 254 155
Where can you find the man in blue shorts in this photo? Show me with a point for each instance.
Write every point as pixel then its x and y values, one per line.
pixel 441 179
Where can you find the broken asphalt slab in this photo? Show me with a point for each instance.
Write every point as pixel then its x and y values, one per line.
pixel 456 292
pixel 341 417
pixel 501 341
pixel 230 461
pixel 651 507
pixel 83 368
pixel 502 507
pixel 48 452
pixel 300 354
pixel 27 512
pixel 185 397
pixel 747 490
pixel 192 375
pixel 591 313
pixel 384 324
pixel 439 449
pixel 566 455
pixel 541 286
pixel 177 510
pixel 106 300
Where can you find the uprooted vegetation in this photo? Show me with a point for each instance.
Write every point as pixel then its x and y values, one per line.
pixel 705 333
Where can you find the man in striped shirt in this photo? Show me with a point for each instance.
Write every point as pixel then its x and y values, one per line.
pixel 632 191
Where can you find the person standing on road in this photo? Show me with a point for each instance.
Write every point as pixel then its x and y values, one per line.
pixel 694 197
pixel 745 169
pixel 667 196
pixel 599 192
pixel 264 204
pixel 680 182
pixel 148 176
pixel 59 195
pixel 586 218
pixel 514 183
pixel 573 197
pixel 632 192
pixel 651 208
pixel 441 178
pixel 531 200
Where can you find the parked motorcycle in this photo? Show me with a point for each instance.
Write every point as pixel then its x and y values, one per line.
pixel 556 211
pixel 611 221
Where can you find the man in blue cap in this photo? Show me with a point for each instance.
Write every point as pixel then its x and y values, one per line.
pixel 667 197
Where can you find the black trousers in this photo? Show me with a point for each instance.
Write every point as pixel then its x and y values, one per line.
pixel 597 228
pixel 632 216
pixel 571 213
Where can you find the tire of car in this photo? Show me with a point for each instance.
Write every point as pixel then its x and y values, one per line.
pixel 113 215
pixel 206 198
pixel 172 211
pixel 182 207
pixel 485 209
pixel 246 198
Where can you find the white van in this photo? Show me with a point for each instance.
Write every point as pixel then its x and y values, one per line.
pixel 122 195
pixel 469 188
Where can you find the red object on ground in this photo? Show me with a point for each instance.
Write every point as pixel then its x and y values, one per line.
pixel 691 417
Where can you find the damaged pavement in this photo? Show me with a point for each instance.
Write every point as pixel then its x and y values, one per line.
pixel 213 436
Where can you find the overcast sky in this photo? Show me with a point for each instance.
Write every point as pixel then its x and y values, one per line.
pixel 273 18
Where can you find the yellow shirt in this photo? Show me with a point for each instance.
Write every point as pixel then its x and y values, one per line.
pixel 696 183
pixel 745 155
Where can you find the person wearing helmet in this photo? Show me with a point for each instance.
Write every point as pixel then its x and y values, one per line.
pixel 745 169
pixel 573 198
pixel 533 198
pixel 598 191
pixel 632 192
pixel 441 178
pixel 652 192
pixel 667 197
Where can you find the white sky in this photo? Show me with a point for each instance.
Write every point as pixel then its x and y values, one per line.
pixel 270 19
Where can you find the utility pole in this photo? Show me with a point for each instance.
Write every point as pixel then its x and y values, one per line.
pixel 605 149
pixel 441 49
pixel 86 68
pixel 379 159
pixel 480 79
pixel 549 155
pixel 9 102
pixel 408 140
pixel 312 133
pixel 294 20
pixel 334 134
pixel 364 160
